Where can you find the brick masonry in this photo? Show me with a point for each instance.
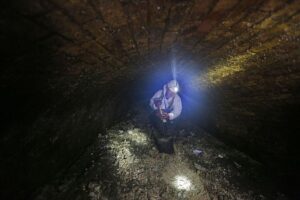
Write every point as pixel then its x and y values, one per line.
pixel 54 52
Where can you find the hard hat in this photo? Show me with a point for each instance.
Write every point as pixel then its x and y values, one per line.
pixel 173 86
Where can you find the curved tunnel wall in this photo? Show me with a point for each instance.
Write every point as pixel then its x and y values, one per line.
pixel 51 113
pixel 36 150
pixel 64 63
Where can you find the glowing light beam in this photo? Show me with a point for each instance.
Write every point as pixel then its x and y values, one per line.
pixel 182 183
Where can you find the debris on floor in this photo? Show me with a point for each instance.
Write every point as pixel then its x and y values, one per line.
pixel 124 164
pixel 197 152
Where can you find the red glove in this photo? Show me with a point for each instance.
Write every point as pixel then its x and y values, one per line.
pixel 162 115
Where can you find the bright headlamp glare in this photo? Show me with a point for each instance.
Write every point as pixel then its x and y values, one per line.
pixel 176 89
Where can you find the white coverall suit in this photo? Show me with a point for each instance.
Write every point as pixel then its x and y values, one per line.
pixel 172 106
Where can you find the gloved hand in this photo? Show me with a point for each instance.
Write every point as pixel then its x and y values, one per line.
pixel 162 115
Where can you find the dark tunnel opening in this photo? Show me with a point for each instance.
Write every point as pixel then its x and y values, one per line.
pixel 77 76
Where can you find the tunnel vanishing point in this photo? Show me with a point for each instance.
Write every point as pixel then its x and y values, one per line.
pixel 72 69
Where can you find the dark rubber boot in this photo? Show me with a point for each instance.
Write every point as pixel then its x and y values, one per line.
pixel 165 145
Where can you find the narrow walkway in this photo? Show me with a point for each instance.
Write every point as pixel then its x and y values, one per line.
pixel 124 164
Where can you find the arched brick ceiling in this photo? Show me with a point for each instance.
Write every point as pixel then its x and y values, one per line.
pixel 117 37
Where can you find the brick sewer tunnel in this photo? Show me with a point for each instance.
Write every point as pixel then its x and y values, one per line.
pixel 76 77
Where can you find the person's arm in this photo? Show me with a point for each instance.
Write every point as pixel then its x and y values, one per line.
pixel 156 96
pixel 177 108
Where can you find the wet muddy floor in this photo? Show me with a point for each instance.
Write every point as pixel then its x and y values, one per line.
pixel 125 164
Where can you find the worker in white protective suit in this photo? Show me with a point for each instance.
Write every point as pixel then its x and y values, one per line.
pixel 167 107
pixel 166 102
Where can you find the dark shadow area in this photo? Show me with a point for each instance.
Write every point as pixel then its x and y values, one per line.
pixel 50 115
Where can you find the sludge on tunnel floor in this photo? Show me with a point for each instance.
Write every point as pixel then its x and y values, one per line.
pixel 125 164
